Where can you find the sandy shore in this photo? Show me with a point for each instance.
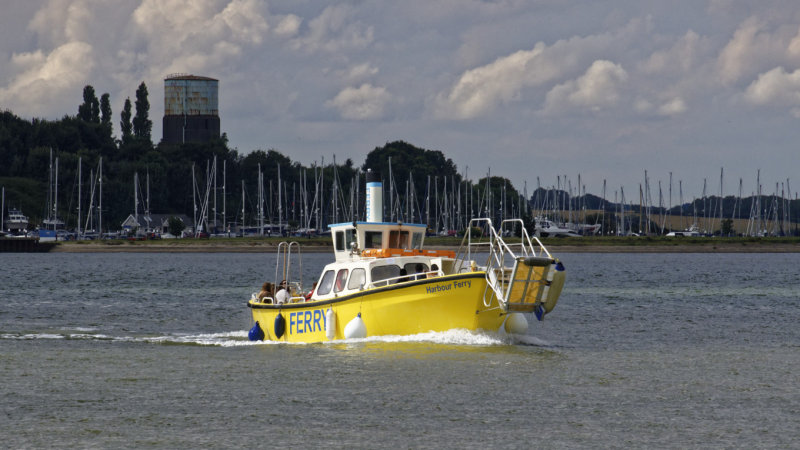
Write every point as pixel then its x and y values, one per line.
pixel 223 247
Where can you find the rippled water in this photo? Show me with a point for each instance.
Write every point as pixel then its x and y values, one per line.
pixel 134 350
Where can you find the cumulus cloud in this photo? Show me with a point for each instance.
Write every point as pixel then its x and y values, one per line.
pixel 366 102
pixel 776 88
pixel 194 36
pixel 596 89
pixel 288 25
pixel 360 72
pixel 755 46
pixel 335 30
pixel 48 81
pixel 680 58
pixel 480 90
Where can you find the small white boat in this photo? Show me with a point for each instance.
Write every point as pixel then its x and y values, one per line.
pixel 547 228
pixel 692 231
pixel 16 221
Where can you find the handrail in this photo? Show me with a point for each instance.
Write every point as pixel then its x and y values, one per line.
pixel 502 255
pixel 285 250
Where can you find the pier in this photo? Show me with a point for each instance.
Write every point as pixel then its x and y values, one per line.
pixel 24 245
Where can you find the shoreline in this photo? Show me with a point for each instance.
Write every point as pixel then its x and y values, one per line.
pixel 268 248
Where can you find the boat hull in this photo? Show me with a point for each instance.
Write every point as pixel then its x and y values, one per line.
pixel 435 304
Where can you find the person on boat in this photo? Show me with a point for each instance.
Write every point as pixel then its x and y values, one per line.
pixel 435 270
pixel 420 269
pixel 282 296
pixel 267 290
pixel 311 292
pixel 403 274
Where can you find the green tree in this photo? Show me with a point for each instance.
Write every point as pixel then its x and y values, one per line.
pixel 175 226
pixel 142 125
pixel 125 124
pixel 105 109
pixel 89 110
pixel 727 227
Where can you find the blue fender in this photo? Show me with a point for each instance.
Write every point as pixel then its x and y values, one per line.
pixel 256 333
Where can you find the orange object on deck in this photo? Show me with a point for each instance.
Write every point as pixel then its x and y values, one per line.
pixel 389 252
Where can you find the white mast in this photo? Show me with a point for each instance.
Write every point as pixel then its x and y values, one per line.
pixel 215 194
pixel 78 222
pixel 194 201
pixel 55 198
pixel 224 184
pixel 136 197
pixel 100 205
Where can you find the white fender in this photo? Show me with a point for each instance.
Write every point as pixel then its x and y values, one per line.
pixel 516 323
pixel 355 328
pixel 555 287
pixel 330 323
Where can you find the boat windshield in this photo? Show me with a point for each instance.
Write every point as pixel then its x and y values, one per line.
pixel 326 284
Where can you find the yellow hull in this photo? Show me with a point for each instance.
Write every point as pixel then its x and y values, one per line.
pixel 436 304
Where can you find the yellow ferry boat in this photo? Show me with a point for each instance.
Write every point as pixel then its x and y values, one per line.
pixel 382 282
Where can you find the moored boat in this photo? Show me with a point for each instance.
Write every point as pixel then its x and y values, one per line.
pixel 16 223
pixel 383 282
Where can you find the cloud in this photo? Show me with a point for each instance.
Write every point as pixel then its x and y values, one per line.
pixel 756 45
pixel 48 81
pixel 678 59
pixel 61 21
pixel 335 30
pixel 364 103
pixel 775 88
pixel 482 89
pixel 597 89
pixel 360 72
pixel 288 25
pixel 505 80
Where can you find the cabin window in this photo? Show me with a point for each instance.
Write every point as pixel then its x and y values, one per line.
pixel 339 241
pixel 357 279
pixel 412 270
pixel 326 283
pixel 416 240
pixel 349 238
pixel 380 273
pixel 341 279
pixel 398 239
pixel 372 239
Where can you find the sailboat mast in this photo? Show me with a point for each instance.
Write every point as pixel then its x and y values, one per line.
pixel 224 185
pixel 136 197
pixel 100 204
pixel 78 222
pixel 55 197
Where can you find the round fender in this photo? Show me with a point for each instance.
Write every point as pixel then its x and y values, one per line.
pixel 256 333
pixel 355 328
pixel 516 323
pixel 280 326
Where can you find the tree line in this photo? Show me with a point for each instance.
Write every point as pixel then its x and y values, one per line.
pixel 414 178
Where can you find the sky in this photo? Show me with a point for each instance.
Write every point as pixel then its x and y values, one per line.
pixel 537 91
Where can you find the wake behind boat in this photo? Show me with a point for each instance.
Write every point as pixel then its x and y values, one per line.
pixel 383 282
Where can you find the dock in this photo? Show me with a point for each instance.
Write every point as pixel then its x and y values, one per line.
pixel 25 245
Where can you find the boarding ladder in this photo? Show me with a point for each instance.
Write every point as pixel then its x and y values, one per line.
pixel 519 273
pixel 284 269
